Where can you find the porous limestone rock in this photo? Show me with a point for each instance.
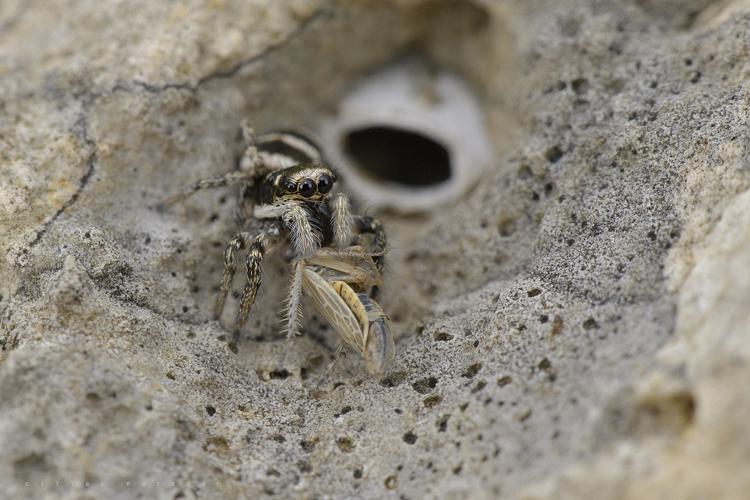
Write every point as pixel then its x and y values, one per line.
pixel 575 326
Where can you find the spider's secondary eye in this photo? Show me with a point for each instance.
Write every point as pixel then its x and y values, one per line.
pixel 307 188
pixel 325 183
pixel 290 187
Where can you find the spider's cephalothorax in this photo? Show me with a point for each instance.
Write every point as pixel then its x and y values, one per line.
pixel 306 182
pixel 284 180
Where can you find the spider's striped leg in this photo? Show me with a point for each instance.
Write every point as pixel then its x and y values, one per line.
pixel 253 266
pixel 235 244
pixel 227 179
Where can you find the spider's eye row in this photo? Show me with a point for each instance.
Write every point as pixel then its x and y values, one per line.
pixel 325 183
pixel 290 187
pixel 307 188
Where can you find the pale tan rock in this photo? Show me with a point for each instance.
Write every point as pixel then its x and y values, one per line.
pixel 575 326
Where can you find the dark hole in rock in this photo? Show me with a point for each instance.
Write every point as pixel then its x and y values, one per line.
pixel 410 438
pixel 398 155
pixel 279 374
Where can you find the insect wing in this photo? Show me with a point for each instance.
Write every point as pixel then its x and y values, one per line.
pixel 334 309
pixel 380 348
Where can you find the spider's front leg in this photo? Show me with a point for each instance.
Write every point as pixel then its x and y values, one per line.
pixel 253 265
pixel 257 248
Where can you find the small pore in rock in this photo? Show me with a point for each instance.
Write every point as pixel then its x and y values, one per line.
pixel 308 445
pixel 472 370
pixel 391 482
pixel 410 438
pixel 442 336
pixel 279 374
pixel 344 411
pixel 553 154
pixel 345 444
pixel 424 385
pixel 590 324
pixel 393 379
pixel 504 380
pixel 479 386
pixel 432 400
pixel 442 423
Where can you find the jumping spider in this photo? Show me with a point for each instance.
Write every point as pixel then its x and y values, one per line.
pixel 336 256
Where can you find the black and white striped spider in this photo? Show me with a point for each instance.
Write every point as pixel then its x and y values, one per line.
pixel 284 180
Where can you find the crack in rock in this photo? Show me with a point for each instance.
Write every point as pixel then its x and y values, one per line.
pixel 80 128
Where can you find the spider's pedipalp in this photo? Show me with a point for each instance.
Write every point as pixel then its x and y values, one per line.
pixel 342 221
pixel 305 240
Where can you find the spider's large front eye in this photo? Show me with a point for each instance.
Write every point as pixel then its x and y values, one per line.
pixel 290 187
pixel 307 188
pixel 325 183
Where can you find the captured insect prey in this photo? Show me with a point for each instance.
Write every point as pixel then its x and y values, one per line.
pixel 336 257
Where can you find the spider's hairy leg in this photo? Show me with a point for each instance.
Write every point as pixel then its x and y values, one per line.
pixel 292 313
pixel 342 220
pixel 227 179
pixel 254 270
pixel 252 162
pixel 305 240
pixel 248 133
pixel 370 225
pixel 235 244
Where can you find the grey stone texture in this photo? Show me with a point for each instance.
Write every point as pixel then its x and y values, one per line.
pixel 575 327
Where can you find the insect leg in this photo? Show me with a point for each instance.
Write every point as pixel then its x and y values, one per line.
pixel 342 221
pixel 340 353
pixel 370 225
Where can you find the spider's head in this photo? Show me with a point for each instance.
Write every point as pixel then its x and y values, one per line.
pixel 307 182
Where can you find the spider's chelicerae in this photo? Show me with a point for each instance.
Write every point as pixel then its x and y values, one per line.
pixel 336 256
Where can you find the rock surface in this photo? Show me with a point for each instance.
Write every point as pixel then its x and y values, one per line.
pixel 576 326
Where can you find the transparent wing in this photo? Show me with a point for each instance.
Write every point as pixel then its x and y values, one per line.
pixel 380 348
pixel 334 309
